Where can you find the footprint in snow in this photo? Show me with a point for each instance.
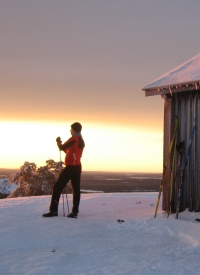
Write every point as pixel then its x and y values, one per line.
pixel 120 221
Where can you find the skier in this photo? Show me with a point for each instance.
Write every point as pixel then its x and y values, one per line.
pixel 73 148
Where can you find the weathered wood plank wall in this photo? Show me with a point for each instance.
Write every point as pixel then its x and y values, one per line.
pixel 186 106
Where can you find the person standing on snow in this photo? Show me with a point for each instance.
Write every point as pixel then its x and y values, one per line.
pixel 73 148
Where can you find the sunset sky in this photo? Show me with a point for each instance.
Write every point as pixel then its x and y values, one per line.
pixel 66 61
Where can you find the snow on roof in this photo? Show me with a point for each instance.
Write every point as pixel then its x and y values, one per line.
pixel 188 72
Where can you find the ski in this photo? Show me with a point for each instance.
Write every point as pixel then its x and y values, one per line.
pixel 166 164
pixel 197 220
pixel 183 170
pixel 179 149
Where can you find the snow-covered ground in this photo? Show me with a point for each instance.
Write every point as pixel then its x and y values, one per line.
pixel 6 187
pixel 96 243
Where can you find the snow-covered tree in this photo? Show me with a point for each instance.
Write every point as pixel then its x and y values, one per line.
pixel 32 181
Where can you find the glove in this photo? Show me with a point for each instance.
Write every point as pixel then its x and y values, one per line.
pixel 59 141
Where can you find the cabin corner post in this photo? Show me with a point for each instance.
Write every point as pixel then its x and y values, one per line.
pixel 167 139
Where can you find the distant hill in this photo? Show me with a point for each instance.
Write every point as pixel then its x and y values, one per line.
pixel 7 171
pixel 110 182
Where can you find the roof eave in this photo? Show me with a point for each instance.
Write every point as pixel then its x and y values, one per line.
pixel 174 88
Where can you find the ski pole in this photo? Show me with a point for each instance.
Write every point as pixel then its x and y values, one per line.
pixel 67 199
pixel 62 192
pixel 180 193
pixel 63 205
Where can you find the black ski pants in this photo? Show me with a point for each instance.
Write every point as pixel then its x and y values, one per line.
pixel 72 173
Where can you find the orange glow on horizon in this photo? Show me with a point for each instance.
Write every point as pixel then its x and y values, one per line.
pixel 108 148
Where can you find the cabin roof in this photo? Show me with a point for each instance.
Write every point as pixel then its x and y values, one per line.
pixel 185 77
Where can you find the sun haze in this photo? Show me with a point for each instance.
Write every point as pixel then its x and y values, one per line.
pixel 87 61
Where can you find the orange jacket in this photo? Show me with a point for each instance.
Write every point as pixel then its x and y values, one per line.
pixel 73 148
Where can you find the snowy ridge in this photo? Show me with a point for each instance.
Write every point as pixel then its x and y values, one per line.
pixel 96 243
pixel 185 73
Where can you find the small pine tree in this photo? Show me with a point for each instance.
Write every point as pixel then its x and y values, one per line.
pixel 34 182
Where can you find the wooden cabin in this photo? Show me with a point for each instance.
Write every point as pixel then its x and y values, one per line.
pixel 180 90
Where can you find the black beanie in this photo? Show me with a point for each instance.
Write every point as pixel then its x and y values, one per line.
pixel 76 126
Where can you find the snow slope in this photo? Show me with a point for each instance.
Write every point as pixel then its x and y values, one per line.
pixel 96 243
pixel 185 73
